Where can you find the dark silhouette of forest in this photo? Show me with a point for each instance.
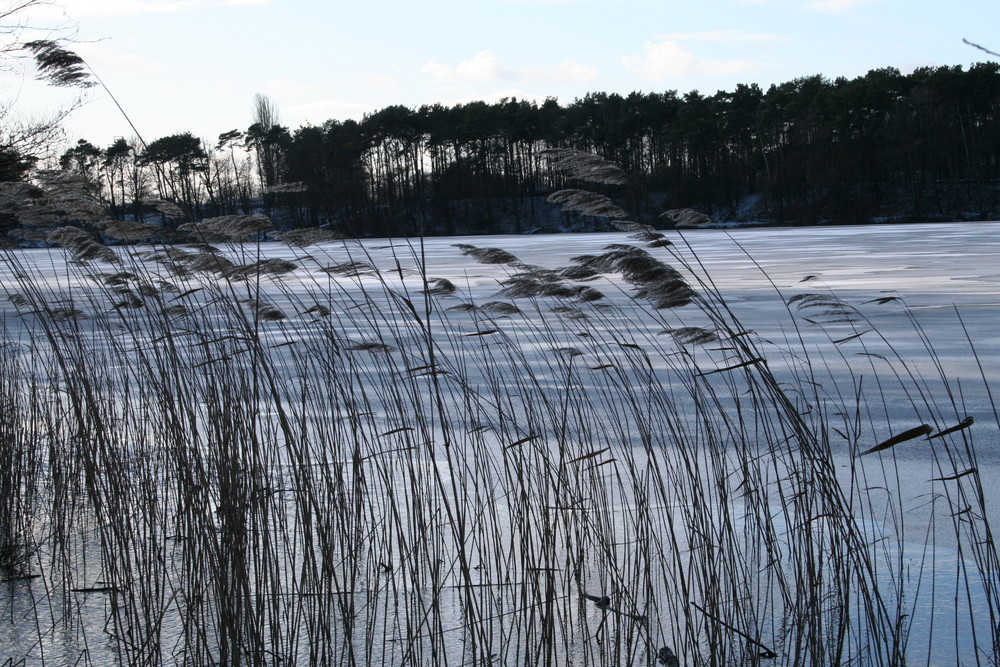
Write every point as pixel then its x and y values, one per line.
pixel 883 146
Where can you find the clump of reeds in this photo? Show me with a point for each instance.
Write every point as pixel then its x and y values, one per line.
pixel 234 458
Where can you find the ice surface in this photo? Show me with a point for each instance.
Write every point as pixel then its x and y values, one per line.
pixel 944 325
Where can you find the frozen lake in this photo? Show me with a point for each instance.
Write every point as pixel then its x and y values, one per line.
pixel 905 315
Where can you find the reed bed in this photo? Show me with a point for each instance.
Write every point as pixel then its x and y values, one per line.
pixel 246 452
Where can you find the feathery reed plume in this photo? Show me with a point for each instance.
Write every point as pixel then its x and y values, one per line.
pixel 82 245
pixel 303 238
pixel 318 309
pixel 588 203
pixel 463 307
pixel 167 208
pixel 691 335
pixel 57 65
pixel 578 273
pixel 585 166
pixel 648 237
pixel 440 287
pixel 569 312
pixel 824 308
pixel 368 346
pixel 272 267
pixel 266 311
pixel 125 230
pixel 488 255
pixel 686 218
pixel 204 260
pixel 588 294
pixel 57 198
pixel 232 228
pixel 351 269
pixel 499 307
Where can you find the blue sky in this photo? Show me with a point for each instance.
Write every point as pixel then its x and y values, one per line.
pixel 195 65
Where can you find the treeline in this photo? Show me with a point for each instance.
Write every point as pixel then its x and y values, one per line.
pixel 882 146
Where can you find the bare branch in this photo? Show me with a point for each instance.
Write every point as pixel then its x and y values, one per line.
pixel 981 48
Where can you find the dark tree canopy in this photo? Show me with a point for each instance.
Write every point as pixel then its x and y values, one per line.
pixel 883 146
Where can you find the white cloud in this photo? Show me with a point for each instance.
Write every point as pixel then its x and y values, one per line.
pixel 667 58
pixel 485 67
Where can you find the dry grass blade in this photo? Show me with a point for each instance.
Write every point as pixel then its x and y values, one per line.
pixel 524 440
pixel 964 424
pixel 852 337
pixel 484 332
pixel 909 434
pixel 957 475
pixel 589 455
pixel 752 362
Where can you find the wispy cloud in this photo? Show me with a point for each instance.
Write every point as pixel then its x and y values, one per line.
pixel 725 36
pixel 485 67
pixel 835 6
pixel 662 59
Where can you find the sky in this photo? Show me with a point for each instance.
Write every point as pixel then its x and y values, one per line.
pixel 195 65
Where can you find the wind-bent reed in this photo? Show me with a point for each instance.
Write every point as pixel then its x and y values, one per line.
pixel 259 453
